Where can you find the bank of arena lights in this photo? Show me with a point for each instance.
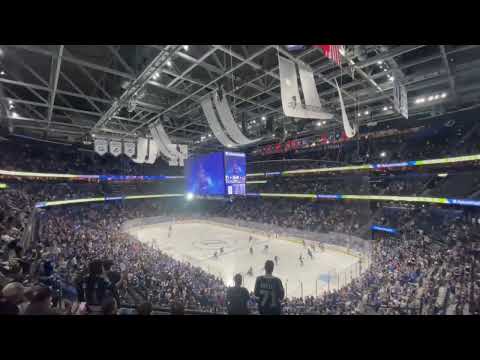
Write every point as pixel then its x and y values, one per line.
pixel 430 98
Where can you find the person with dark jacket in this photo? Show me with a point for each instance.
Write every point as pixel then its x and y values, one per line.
pixel 269 291
pixel 95 287
pixel 237 298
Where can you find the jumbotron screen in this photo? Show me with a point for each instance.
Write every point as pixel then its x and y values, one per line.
pixel 235 173
pixel 216 174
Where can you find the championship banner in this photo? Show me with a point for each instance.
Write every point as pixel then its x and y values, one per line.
pixel 129 149
pixel 400 100
pixel 115 148
pixel 181 151
pixel 100 146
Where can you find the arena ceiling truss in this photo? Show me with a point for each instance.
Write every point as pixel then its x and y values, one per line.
pixel 67 92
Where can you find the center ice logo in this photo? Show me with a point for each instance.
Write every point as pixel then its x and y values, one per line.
pixel 211 244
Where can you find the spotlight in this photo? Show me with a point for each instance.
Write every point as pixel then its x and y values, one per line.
pixel 379 62
pixel 169 63
pixel 437 97
pixel 324 122
pixel 185 47
pixel 209 135
pixel 14 114
pixel 420 100
pixel 319 123
pixel 359 114
pixel 189 196
pixel 264 118
pixel 430 98
pixel 10 102
pixel 383 154
pixel 444 95
pixel 385 108
pixel 366 112
pixel 2 72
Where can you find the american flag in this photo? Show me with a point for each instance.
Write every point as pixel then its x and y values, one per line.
pixel 333 52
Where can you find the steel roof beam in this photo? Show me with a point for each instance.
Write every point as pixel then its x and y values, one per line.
pixel 136 85
pixel 451 79
pixel 204 87
pixel 54 83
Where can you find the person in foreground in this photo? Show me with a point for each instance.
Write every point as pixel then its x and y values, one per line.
pixel 237 298
pixel 269 292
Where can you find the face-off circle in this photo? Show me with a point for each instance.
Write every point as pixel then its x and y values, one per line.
pixel 212 244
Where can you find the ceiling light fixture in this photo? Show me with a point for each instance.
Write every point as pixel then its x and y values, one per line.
pixel 185 47
pixel 264 118
pixel 366 112
pixel 169 63
pixel 385 108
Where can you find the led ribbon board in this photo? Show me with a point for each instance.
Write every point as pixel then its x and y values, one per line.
pixel 415 199
pixel 3 186
pixel 383 229
pixel 45 204
pixel 372 166
pixel 106 178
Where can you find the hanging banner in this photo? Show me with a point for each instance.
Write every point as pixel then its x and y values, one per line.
pixel 226 118
pixel 142 145
pixel 181 151
pixel 214 124
pixel 152 151
pixel 129 149
pixel 400 100
pixel 100 146
pixel 115 148
pixel 291 102
pixel 349 129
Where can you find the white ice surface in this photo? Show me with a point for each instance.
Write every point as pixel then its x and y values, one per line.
pixel 197 242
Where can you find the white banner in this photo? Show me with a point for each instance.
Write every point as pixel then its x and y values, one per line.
pixel 115 148
pixel 182 151
pixel 152 151
pixel 350 130
pixel 142 145
pixel 161 147
pixel 400 100
pixel 228 122
pixel 100 146
pixel 129 149
pixel 212 120
pixel 291 101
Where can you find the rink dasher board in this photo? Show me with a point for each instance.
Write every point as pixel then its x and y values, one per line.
pixel 297 240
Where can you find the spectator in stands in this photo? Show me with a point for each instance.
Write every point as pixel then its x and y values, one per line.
pixel 237 298
pixel 41 303
pixel 12 300
pixel 269 291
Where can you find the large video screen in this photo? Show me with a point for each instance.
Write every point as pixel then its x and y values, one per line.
pixel 235 173
pixel 205 175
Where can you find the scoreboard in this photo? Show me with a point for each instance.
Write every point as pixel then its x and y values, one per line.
pixel 216 174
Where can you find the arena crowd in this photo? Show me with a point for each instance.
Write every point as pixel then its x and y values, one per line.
pixel 80 262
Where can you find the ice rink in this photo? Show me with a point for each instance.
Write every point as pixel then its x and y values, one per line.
pixel 196 242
